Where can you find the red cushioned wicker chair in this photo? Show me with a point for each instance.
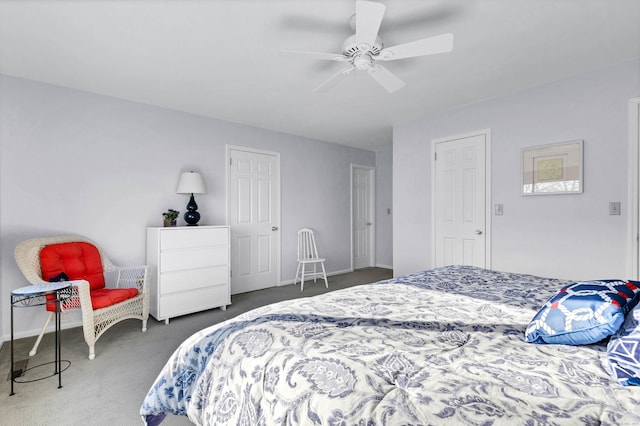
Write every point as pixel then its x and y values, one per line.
pixel 106 294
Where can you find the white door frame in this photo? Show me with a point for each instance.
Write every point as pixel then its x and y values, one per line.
pixel 278 204
pixel 634 188
pixel 487 191
pixel 372 211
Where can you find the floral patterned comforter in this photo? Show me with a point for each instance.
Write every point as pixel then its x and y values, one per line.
pixel 439 346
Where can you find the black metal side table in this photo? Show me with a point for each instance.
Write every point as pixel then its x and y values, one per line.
pixel 36 295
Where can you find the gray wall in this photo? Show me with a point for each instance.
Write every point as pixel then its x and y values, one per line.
pixel 567 236
pixel 78 163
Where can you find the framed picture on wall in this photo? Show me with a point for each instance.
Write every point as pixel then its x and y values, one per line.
pixel 552 169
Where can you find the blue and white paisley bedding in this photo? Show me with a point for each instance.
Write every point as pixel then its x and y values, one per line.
pixel 440 346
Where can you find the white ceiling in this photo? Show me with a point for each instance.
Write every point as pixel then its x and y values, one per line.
pixel 221 58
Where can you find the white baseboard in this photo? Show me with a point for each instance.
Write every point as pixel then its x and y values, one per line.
pixel 345 271
pixel 384 266
pixel 32 333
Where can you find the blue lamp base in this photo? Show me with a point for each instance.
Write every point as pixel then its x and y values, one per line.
pixel 192 216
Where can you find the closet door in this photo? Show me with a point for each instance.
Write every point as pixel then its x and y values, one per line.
pixel 254 217
pixel 459 188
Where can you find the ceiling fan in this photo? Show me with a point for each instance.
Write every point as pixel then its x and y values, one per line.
pixel 363 50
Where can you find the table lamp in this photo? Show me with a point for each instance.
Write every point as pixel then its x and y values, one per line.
pixel 191 183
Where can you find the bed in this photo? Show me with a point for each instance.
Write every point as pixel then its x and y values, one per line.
pixel 439 346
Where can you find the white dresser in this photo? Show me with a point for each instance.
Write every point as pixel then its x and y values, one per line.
pixel 190 269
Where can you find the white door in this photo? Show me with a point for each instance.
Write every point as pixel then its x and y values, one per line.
pixel 362 202
pixel 459 189
pixel 254 217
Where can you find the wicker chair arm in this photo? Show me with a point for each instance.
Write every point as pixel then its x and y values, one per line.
pixel 128 277
pixel 80 297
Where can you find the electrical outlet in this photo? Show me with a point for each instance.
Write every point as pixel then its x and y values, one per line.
pixel 19 367
pixel 499 210
pixel 614 207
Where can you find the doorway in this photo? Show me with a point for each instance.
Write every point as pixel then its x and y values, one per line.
pixel 460 184
pixel 253 214
pixel 362 216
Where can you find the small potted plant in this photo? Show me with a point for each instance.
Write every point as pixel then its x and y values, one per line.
pixel 170 217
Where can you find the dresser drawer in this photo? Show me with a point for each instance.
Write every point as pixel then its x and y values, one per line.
pixel 186 302
pixel 189 238
pixel 193 279
pixel 175 260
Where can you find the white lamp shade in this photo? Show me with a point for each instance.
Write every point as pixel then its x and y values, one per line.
pixel 191 183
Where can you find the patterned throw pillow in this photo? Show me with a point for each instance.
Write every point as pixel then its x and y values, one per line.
pixel 584 312
pixel 623 350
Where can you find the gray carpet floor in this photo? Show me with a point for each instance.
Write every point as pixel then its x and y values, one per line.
pixel 109 389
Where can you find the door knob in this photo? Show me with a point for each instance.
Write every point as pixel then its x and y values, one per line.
pixel 478 232
pixel 274 228
pixel 369 223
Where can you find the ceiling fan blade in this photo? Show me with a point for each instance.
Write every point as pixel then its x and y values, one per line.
pixel 386 78
pixel 339 57
pixel 368 19
pixel 426 46
pixel 333 80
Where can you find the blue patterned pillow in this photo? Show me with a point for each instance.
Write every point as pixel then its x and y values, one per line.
pixel 584 312
pixel 623 350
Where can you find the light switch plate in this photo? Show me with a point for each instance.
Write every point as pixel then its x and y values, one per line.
pixel 499 210
pixel 614 207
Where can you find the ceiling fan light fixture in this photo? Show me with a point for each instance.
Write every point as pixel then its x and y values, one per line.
pixel 362 61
